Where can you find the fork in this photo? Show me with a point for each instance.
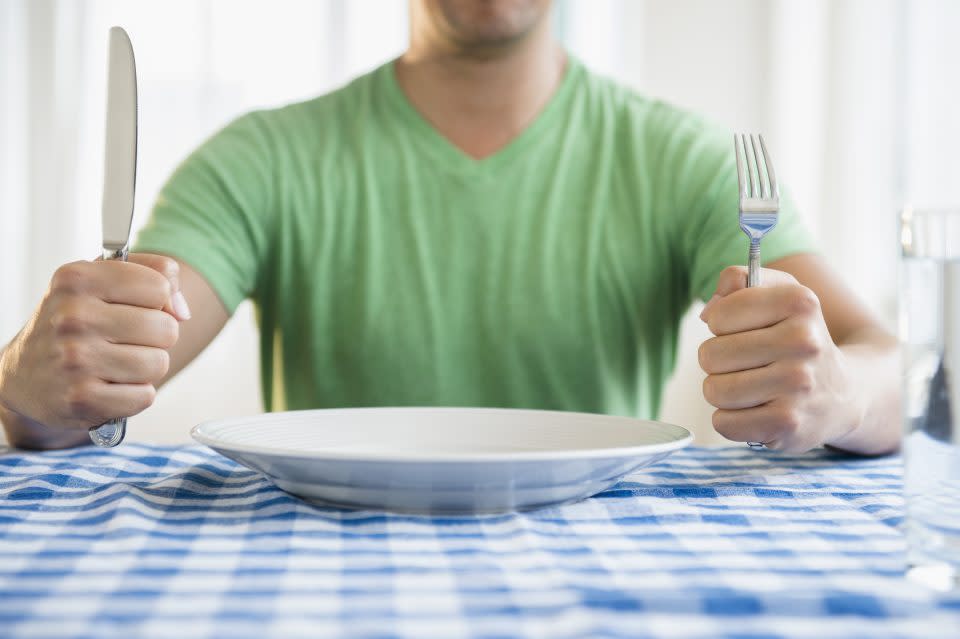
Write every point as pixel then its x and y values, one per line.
pixel 759 203
pixel 759 196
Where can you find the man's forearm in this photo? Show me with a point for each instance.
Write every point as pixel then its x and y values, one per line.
pixel 874 368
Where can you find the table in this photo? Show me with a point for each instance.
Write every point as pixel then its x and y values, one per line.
pixel 158 541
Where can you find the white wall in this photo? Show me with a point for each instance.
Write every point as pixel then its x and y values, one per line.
pixel 13 187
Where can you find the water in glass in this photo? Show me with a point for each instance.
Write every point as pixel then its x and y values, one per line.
pixel 930 333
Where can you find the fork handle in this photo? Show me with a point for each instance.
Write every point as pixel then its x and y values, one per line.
pixel 753 279
pixel 753 270
pixel 109 434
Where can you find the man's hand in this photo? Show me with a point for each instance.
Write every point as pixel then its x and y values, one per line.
pixel 773 370
pixel 95 346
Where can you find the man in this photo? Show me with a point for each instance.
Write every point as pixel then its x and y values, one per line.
pixel 481 222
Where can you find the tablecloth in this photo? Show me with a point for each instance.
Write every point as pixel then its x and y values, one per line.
pixel 155 541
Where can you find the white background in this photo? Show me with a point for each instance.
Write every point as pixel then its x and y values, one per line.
pixel 857 98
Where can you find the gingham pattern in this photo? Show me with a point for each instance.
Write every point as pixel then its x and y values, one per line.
pixel 180 542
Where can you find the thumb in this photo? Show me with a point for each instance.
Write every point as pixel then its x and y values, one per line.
pixel 732 279
pixel 170 269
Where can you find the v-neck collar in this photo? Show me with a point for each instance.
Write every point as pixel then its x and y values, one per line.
pixel 452 157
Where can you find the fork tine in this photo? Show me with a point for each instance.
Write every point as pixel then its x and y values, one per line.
pixel 741 166
pixel 771 176
pixel 763 182
pixel 753 171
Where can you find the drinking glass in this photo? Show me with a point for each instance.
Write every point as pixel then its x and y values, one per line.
pixel 930 337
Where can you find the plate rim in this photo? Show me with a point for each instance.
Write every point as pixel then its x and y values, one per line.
pixel 414 457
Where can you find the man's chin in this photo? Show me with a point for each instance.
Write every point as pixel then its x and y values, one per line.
pixel 488 46
pixel 488 29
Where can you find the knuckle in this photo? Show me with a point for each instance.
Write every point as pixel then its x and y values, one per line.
pixel 145 398
pixel 80 401
pixel 787 420
pixel 73 355
pixel 156 285
pixel 70 318
pixel 804 301
pixel 69 278
pixel 800 378
pixel 807 340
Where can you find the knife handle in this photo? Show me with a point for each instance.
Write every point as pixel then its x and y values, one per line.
pixel 116 254
pixel 109 434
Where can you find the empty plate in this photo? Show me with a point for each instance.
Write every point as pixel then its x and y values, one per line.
pixel 442 460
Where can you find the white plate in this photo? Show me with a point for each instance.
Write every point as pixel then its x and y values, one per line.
pixel 442 460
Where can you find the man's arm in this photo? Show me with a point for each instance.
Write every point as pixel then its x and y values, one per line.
pixel 207 320
pixel 98 346
pixel 799 362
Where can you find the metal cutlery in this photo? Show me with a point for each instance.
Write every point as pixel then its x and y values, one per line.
pixel 119 178
pixel 759 196
pixel 759 202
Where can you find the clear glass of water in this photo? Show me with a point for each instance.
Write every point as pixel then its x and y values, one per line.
pixel 930 334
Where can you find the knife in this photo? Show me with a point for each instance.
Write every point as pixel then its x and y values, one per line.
pixel 119 178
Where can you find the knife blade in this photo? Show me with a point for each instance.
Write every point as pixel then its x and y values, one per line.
pixel 119 178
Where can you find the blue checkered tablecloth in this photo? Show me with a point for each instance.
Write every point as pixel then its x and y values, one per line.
pixel 158 541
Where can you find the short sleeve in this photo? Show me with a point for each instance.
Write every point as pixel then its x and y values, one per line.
pixel 707 201
pixel 214 213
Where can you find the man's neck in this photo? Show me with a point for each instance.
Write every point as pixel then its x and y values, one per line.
pixel 481 101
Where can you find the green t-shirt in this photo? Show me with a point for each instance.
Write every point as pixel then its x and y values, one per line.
pixel 388 268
